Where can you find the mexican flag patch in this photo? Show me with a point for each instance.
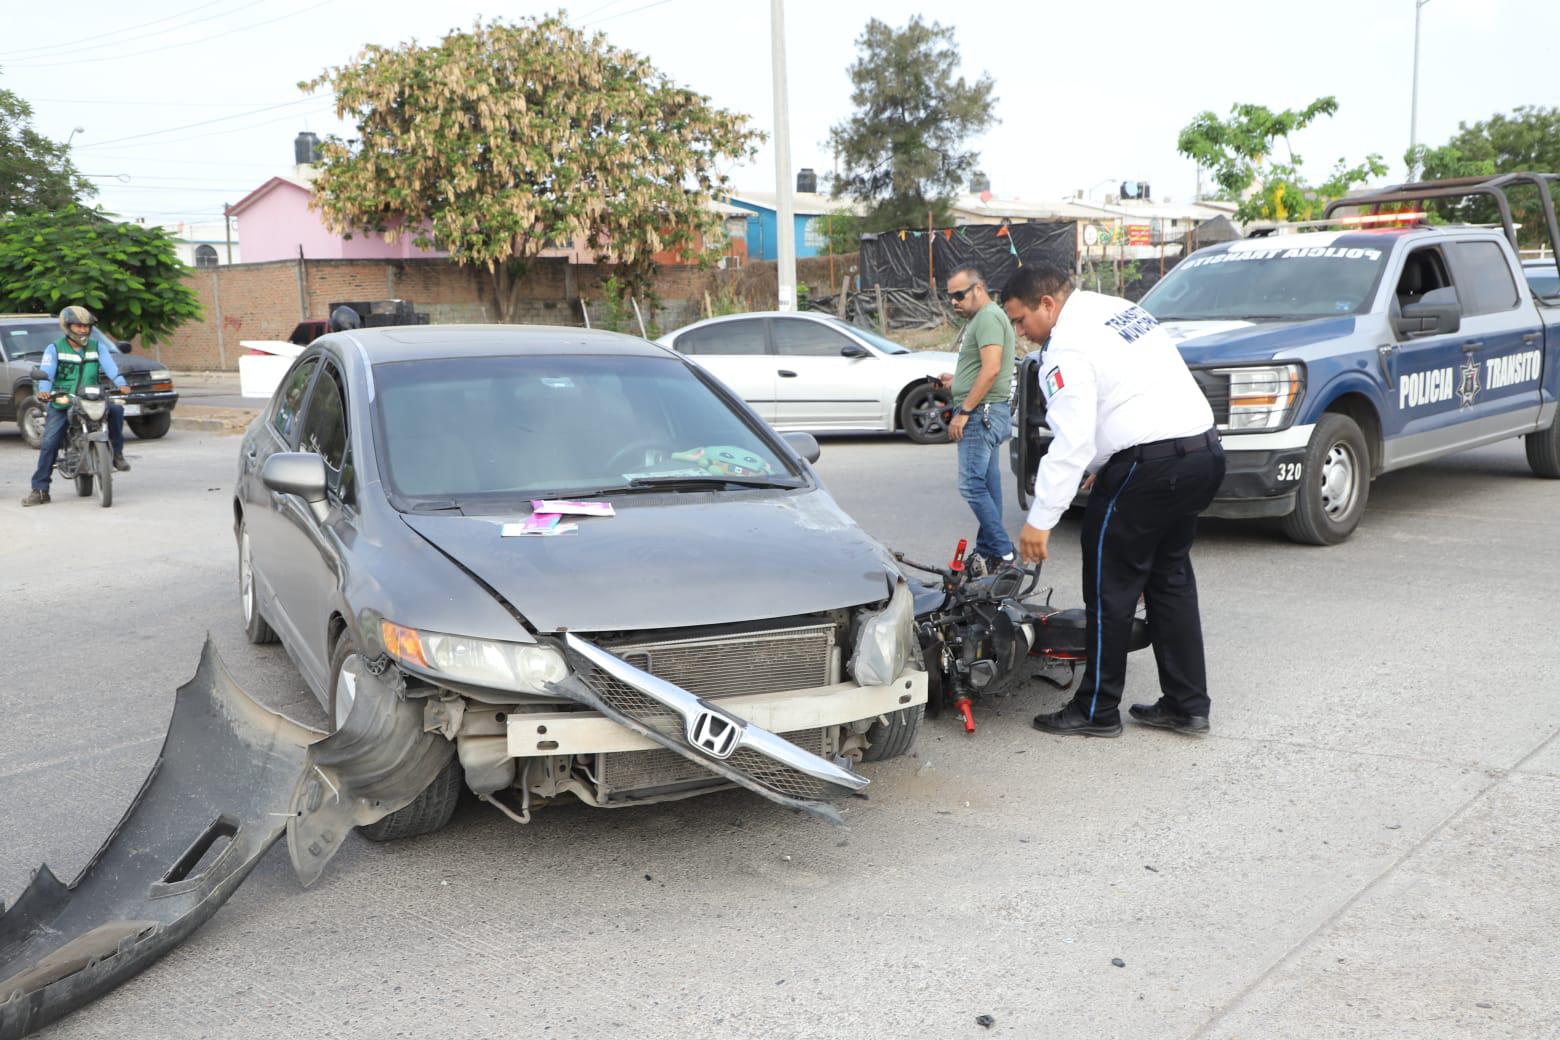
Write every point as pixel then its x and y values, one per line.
pixel 1053 383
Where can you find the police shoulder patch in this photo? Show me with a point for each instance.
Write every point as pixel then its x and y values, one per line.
pixel 1052 382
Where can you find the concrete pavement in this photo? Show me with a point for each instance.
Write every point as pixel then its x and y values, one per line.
pixel 1366 846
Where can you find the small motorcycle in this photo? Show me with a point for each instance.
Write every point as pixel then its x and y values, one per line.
pixel 977 634
pixel 85 456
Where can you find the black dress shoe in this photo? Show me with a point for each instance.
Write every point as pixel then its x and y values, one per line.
pixel 120 464
pixel 1166 717
pixel 1070 722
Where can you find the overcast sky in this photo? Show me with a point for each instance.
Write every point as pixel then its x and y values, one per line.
pixel 196 101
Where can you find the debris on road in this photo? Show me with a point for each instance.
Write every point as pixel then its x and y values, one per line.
pixel 985 1021
pixel 1118 962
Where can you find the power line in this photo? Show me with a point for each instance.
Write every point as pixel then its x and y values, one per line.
pixel 129 28
pixel 191 43
pixel 625 14
pixel 585 18
pixel 155 104
pixel 203 122
pixel 235 130
pixel 71 49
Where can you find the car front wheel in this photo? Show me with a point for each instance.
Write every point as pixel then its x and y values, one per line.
pixel 150 427
pixel 32 419
pixel 1334 483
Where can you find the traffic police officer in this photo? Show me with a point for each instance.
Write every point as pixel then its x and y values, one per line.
pixel 1129 421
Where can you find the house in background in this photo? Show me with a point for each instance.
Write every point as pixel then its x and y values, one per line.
pixel 812 215
pixel 203 245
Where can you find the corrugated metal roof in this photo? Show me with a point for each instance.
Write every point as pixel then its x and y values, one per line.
pixel 805 203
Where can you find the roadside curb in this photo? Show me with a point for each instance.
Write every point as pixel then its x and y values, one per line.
pixel 211 420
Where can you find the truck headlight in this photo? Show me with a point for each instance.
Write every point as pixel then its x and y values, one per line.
pixel 1263 397
pixel 884 640
pixel 521 667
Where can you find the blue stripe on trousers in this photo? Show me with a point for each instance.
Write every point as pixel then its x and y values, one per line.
pixel 1099 595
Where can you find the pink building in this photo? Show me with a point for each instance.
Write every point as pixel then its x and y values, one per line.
pixel 275 223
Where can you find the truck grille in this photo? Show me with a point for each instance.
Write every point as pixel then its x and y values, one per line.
pixel 1216 388
pixel 622 773
pixel 757 662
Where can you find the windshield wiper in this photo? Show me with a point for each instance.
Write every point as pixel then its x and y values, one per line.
pixel 686 483
pixel 435 505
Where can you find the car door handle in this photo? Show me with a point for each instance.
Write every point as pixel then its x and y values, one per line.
pixel 1532 337
pixel 1469 346
pixel 786 373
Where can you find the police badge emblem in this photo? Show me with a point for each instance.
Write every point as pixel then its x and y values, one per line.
pixel 1468 389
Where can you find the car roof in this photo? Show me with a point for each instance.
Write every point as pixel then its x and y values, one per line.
pixel 721 319
pixel 419 342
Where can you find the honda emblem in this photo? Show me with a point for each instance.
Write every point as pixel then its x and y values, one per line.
pixel 714 734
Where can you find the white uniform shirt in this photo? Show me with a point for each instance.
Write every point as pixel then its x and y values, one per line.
pixel 1112 379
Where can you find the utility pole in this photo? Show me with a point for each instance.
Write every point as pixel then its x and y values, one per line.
pixel 1413 105
pixel 785 204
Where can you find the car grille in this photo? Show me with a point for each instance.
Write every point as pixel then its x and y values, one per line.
pixel 623 773
pixel 758 662
pixel 1216 388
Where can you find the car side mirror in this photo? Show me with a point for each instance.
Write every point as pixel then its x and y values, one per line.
pixel 124 346
pixel 300 473
pixel 804 444
pixel 1435 313
pixel 854 350
pixel 38 374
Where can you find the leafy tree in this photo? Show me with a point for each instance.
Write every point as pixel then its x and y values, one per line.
pixel 842 231
pixel 1240 152
pixel 903 150
pixel 35 172
pixel 501 141
pixel 127 274
pixel 1527 139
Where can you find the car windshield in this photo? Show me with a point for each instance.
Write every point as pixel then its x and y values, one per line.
pixel 486 432
pixel 25 341
pixel 883 343
pixel 1255 280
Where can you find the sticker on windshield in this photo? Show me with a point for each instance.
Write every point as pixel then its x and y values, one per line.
pixel 724 460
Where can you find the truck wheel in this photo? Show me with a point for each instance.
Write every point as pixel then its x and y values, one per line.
pixel 255 626
pixel 1543 451
pixel 150 427
pixel 427 812
pixel 920 413
pixel 892 738
pixel 31 418
pixel 1334 485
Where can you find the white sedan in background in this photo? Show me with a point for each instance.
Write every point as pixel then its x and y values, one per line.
pixel 807 371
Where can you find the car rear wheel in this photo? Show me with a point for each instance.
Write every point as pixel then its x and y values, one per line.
pixel 920 414
pixel 894 734
pixel 255 626
pixel 1543 451
pixel 1334 483
pixel 431 809
pixel 32 418
pixel 150 427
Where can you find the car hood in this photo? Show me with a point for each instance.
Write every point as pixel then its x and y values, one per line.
pixel 674 561
pixel 1235 342
pixel 935 362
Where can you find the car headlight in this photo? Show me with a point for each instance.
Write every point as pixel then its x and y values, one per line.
pixel 1263 397
pixel 884 640
pixel 521 667
pixel 93 409
pixel 159 375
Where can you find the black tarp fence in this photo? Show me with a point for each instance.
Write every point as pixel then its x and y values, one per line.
pixel 898 259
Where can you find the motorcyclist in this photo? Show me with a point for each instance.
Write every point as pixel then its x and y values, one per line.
pixel 70 363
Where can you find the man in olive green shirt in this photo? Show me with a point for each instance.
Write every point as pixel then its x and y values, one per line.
pixel 982 384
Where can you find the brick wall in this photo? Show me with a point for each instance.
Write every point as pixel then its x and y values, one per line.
pixel 265 301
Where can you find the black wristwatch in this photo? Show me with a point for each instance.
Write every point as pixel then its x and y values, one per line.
pixel 969 412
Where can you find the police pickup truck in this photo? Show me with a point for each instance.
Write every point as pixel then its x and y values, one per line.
pixel 1331 357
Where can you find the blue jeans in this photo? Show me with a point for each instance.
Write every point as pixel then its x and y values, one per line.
pixel 980 475
pixel 54 431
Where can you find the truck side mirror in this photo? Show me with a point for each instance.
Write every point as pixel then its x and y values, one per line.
pixel 38 374
pixel 124 345
pixel 1435 313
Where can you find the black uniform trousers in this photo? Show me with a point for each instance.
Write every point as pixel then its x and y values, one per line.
pixel 1137 540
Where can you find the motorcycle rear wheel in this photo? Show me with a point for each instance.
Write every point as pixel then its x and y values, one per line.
pixel 103 462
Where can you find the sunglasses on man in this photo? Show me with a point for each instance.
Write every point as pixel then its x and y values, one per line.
pixel 958 296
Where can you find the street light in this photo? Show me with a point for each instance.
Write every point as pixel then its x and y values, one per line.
pixel 1413 105
pixel 73 133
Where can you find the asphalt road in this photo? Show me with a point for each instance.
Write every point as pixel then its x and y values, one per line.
pixel 1368 845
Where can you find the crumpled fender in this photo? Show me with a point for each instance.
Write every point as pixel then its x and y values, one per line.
pixel 377 762
pixel 215 801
